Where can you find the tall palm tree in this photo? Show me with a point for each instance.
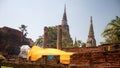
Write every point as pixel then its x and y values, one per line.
pixel 112 31
pixel 23 29
pixel 24 32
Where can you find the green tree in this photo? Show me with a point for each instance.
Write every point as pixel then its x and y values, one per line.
pixel 51 40
pixel 52 37
pixel 23 30
pixel 112 31
pixel 39 41
pixel 67 43
pixel 79 43
pixel 83 44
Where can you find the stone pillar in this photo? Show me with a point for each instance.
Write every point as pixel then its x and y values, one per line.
pixel 45 37
pixel 59 37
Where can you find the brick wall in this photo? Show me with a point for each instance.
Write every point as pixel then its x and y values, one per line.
pixel 103 56
pixel 82 50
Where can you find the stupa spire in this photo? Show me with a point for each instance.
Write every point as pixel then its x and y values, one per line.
pixel 64 15
pixel 64 20
pixel 91 42
pixel 91 31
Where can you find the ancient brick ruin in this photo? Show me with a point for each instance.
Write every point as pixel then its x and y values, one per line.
pixel 11 39
pixel 92 56
pixel 103 56
pixel 59 37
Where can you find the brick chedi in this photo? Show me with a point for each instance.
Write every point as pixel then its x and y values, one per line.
pixel 66 38
pixel 91 42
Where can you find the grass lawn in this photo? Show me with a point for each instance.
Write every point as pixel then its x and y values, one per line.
pixel 6 67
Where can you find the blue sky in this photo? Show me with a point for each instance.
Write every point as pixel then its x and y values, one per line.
pixel 39 13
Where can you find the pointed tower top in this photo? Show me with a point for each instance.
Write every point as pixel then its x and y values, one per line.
pixel 65 8
pixel 64 15
pixel 91 42
pixel 64 20
pixel 75 43
pixel 91 32
pixel 91 19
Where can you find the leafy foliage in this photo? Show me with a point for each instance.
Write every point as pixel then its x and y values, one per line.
pixel 112 31
pixel 39 41
pixel 79 43
pixel 52 38
pixel 66 39
pixel 23 30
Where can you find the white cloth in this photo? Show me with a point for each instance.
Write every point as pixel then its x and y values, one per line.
pixel 24 49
